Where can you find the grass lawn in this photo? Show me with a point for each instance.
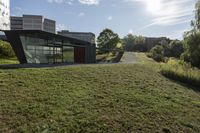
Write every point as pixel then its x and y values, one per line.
pixel 4 60
pixel 107 57
pixel 119 98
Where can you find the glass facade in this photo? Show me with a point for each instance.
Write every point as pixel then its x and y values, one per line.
pixel 68 54
pixel 46 51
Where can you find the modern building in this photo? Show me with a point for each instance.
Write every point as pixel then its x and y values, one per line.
pixel 33 22
pixel 4 14
pixel 16 23
pixel 49 25
pixel 34 40
pixel 36 46
pixel 85 36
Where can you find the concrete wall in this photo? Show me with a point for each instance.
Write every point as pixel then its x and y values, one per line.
pixel 4 14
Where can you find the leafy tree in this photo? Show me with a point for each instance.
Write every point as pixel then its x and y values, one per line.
pixel 192 40
pixel 129 42
pixel 176 48
pixel 140 44
pixel 173 49
pixel 157 53
pixel 192 49
pixel 196 24
pixel 134 43
pixel 107 40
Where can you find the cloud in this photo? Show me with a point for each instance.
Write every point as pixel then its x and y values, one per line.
pixel 130 31
pixel 18 8
pixel 81 14
pixel 110 18
pixel 168 12
pixel 89 2
pixel 69 2
pixel 16 11
pixel 60 27
pixel 56 1
pixel 178 34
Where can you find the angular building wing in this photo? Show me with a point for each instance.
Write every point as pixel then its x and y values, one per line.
pixel 38 47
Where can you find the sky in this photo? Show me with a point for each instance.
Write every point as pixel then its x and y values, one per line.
pixel 151 18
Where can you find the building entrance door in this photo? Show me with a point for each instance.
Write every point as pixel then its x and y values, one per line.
pixel 79 55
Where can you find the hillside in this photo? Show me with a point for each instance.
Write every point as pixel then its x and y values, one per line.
pixel 96 98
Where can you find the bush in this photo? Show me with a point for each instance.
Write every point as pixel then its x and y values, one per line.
pixel 157 53
pixel 6 49
pixel 185 57
pixel 192 48
pixel 181 71
pixel 176 48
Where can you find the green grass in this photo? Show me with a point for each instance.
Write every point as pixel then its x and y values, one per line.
pixel 6 60
pixel 107 57
pixel 96 98
pixel 181 71
pixel 148 62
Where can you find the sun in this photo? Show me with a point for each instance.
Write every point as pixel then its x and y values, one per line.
pixel 154 6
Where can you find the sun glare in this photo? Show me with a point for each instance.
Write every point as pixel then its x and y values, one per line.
pixel 154 6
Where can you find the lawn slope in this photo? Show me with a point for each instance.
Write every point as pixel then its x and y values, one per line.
pixel 99 98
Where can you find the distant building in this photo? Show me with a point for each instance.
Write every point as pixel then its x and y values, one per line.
pixel 85 36
pixel 16 23
pixel 49 25
pixel 152 41
pixel 33 22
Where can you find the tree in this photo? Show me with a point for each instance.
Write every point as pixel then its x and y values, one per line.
pixel 140 44
pixel 107 40
pixel 129 42
pixel 192 49
pixel 196 24
pixel 192 40
pixel 157 53
pixel 176 48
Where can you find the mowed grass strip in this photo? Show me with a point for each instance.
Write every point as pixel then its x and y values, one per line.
pixel 96 98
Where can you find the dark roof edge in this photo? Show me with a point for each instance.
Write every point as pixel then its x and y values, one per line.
pixel 47 33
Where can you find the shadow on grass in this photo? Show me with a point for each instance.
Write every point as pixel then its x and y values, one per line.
pixel 18 66
pixel 195 87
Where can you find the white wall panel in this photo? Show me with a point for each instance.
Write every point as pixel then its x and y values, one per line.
pixel 4 14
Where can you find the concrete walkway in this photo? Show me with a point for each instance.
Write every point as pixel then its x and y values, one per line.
pixel 129 58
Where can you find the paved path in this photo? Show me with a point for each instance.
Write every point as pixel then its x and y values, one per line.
pixel 129 58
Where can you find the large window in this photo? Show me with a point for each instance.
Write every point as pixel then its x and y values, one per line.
pixel 46 51
pixel 68 54
pixel 41 51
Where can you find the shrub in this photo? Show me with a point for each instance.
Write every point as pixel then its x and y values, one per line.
pixel 6 49
pixel 176 48
pixel 181 71
pixel 157 53
pixel 192 48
